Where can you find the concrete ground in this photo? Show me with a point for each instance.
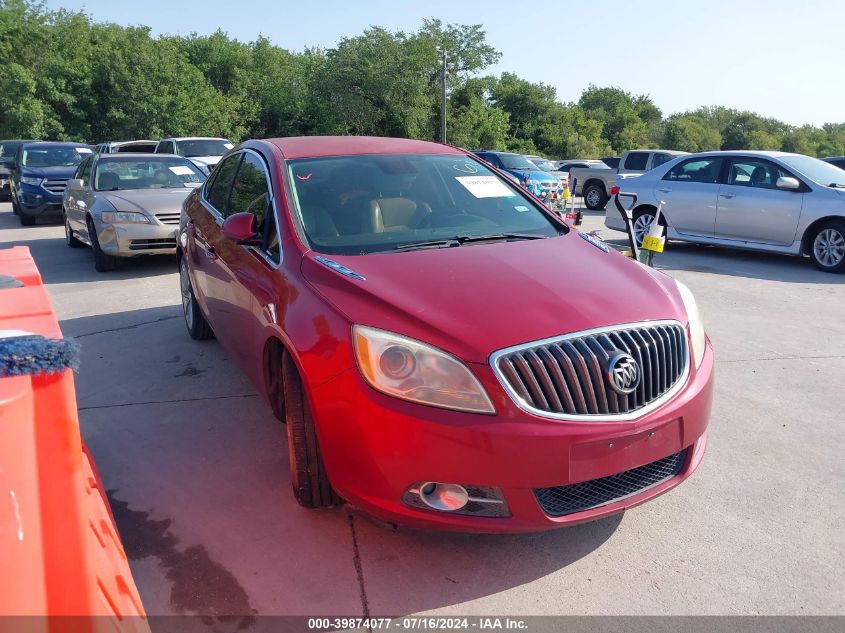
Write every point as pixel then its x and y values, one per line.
pixel 197 468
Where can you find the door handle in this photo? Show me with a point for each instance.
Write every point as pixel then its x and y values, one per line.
pixel 665 190
pixel 728 195
pixel 211 254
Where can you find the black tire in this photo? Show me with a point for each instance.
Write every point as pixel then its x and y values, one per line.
pixel 595 197
pixel 198 327
pixel 103 262
pixel 827 246
pixel 70 239
pixel 639 217
pixel 26 220
pixel 15 209
pixel 311 486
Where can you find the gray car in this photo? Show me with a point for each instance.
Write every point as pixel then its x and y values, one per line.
pixel 766 201
pixel 126 205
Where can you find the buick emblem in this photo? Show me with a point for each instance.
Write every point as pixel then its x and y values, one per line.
pixel 623 373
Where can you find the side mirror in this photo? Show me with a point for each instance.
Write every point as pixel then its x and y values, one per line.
pixel 74 183
pixel 242 228
pixel 788 182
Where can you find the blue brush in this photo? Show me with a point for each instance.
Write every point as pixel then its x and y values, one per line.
pixel 27 354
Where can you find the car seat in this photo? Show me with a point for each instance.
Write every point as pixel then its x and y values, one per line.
pixel 397 214
pixel 107 180
pixel 759 176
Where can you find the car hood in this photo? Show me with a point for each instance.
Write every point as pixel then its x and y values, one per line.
pixel 474 300
pixel 149 200
pixel 61 171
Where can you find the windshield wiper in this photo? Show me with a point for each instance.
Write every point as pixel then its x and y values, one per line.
pixel 427 244
pixel 491 237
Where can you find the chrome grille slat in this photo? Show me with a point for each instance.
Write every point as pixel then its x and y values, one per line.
pixel 55 185
pixel 565 377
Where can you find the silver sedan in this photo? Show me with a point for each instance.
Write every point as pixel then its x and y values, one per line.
pixel 767 201
pixel 126 205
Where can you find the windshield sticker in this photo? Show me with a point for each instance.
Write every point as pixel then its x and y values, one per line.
pixel 521 209
pixel 84 150
pixel 181 170
pixel 485 186
pixel 228 145
pixel 466 167
pixel 304 177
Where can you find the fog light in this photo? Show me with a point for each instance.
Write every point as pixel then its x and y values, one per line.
pixel 444 497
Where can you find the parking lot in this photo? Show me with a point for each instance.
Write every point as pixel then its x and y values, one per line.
pixel 196 466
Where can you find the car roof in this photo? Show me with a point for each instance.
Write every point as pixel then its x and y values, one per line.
pixel 56 144
pixel 122 155
pixel 746 152
pixel 18 140
pixel 317 146
pixel 196 138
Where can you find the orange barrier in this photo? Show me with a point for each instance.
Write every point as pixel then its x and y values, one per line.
pixel 60 552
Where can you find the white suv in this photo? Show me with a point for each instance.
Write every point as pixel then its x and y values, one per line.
pixel 204 151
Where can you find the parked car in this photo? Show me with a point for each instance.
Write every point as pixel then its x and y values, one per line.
pixel 8 149
pixel 549 167
pixel 611 161
pixel 117 147
pixel 566 165
pixel 839 161
pixel 767 201
pixel 400 306
pixel 39 176
pixel 204 151
pixel 595 183
pixel 127 205
pixel 521 169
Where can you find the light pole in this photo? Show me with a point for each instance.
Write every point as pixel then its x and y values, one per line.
pixel 442 51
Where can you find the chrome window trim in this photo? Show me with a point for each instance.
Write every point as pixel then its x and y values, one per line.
pixel 496 356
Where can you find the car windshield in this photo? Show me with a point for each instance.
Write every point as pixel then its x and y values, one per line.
pixel 8 150
pixel 40 156
pixel 816 170
pixel 203 147
pixel 114 174
pixel 542 163
pixel 373 203
pixel 515 161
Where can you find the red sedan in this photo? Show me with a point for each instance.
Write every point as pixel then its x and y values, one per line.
pixel 445 352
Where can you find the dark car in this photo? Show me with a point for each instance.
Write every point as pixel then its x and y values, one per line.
pixel 838 161
pixel 398 304
pixel 39 178
pixel 8 149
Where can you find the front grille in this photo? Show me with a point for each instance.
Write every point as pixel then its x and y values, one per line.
pixel 562 500
pixel 168 218
pixel 566 377
pixel 55 185
pixel 145 245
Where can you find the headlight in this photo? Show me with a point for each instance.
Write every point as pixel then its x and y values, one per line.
pixel 410 370
pixel 696 327
pixel 31 180
pixel 117 217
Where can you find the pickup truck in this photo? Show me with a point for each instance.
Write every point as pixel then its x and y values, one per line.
pixel 594 183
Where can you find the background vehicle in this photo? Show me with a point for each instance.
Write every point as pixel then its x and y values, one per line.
pixel 359 282
pixel 768 201
pixel 549 167
pixel 39 177
pixel 571 163
pixel 520 167
pixel 8 149
pixel 611 161
pixel 204 151
pixel 594 184
pixel 114 147
pixel 839 161
pixel 126 205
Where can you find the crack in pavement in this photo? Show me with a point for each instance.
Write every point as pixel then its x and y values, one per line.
pixel 359 569
pixel 135 404
pixel 129 327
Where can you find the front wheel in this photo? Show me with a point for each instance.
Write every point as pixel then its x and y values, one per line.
pixel 103 262
pixel 70 239
pixel 595 197
pixel 198 327
pixel 26 220
pixel 828 247
pixel 643 220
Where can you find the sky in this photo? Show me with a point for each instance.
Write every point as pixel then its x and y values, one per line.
pixel 779 58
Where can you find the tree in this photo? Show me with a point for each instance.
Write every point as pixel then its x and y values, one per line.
pixel 689 133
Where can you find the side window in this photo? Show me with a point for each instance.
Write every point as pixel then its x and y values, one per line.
pixel 754 172
pixel 165 147
pixel 659 159
pixel 636 161
pixel 83 172
pixel 250 194
pixel 217 191
pixel 704 170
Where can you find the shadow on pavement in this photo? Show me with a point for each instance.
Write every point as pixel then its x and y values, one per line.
pixel 197 467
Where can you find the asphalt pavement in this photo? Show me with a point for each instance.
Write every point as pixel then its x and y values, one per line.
pixel 197 473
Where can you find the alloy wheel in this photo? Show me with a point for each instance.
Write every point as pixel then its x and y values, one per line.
pixel 641 226
pixel 829 247
pixel 593 198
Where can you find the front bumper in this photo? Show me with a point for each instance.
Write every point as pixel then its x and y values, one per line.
pixel 131 240
pixel 375 447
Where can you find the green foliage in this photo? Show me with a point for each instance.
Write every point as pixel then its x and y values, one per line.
pixel 65 76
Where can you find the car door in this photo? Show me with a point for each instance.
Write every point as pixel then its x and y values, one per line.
pixel 79 199
pixel 204 222
pixel 751 207
pixel 690 191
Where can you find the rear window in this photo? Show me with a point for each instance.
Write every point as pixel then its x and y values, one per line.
pixel 363 204
pixel 636 161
